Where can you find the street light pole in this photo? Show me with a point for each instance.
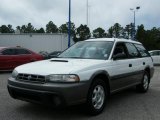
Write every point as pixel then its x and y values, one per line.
pixel 134 30
pixel 69 25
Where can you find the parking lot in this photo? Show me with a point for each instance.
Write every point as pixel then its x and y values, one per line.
pixel 126 105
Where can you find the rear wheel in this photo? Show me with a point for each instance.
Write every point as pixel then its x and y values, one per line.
pixel 97 97
pixel 144 86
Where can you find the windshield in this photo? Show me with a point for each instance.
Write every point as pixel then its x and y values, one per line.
pixel 89 50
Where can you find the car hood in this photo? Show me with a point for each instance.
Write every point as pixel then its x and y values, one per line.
pixel 57 66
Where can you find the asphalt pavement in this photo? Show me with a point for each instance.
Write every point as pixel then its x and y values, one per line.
pixel 125 105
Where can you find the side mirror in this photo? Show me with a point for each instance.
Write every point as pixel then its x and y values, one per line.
pixel 119 56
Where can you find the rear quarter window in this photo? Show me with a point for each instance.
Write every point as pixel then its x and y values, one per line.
pixel 142 50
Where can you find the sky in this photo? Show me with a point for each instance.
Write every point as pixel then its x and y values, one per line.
pixel 102 13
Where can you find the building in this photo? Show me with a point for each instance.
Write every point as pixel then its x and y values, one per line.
pixel 36 41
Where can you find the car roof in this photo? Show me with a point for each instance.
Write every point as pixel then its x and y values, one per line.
pixel 11 47
pixel 114 39
pixel 17 47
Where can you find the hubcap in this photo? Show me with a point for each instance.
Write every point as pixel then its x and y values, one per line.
pixel 98 97
pixel 145 82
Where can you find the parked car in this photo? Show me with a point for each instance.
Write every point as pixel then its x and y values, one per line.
pixel 156 56
pixel 88 72
pixel 44 54
pixel 11 57
pixel 53 54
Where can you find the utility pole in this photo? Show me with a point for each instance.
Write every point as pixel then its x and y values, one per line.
pixel 87 13
pixel 69 25
pixel 134 30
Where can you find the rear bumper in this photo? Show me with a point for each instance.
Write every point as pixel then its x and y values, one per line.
pixel 50 93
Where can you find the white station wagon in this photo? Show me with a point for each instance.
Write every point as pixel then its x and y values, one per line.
pixel 88 72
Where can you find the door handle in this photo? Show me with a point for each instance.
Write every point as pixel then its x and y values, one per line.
pixel 144 63
pixel 130 65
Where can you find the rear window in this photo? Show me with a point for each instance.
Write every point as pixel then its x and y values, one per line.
pixel 142 50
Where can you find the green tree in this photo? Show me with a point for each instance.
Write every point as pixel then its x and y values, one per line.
pixel 51 28
pixel 11 30
pixel 41 30
pixel 64 28
pixel 18 30
pixel 141 34
pixel 82 33
pixel 153 38
pixel 99 33
pixel 117 30
pixel 6 29
pixel 127 31
pixel 110 32
pixel 23 29
pixel 29 28
pixel 149 38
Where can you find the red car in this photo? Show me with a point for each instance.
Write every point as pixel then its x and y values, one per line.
pixel 11 57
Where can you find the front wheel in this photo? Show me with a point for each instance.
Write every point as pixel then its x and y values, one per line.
pixel 97 97
pixel 144 86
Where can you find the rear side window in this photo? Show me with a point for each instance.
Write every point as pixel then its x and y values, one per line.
pixel 132 51
pixel 8 52
pixel 22 51
pixel 142 50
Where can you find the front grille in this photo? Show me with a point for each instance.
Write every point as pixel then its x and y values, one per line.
pixel 31 78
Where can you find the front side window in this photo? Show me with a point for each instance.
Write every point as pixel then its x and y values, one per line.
pixel 89 50
pixel 132 51
pixel 142 50
pixel 120 49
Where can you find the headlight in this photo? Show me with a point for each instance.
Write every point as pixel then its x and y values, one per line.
pixel 14 74
pixel 63 78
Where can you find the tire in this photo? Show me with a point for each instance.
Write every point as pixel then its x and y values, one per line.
pixel 144 86
pixel 97 95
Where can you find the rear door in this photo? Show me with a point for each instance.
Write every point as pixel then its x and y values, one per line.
pixel 136 67
pixel 121 68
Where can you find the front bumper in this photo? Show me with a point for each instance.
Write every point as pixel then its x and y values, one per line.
pixel 55 94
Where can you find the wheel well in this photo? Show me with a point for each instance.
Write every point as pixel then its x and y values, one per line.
pixel 148 71
pixel 106 80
